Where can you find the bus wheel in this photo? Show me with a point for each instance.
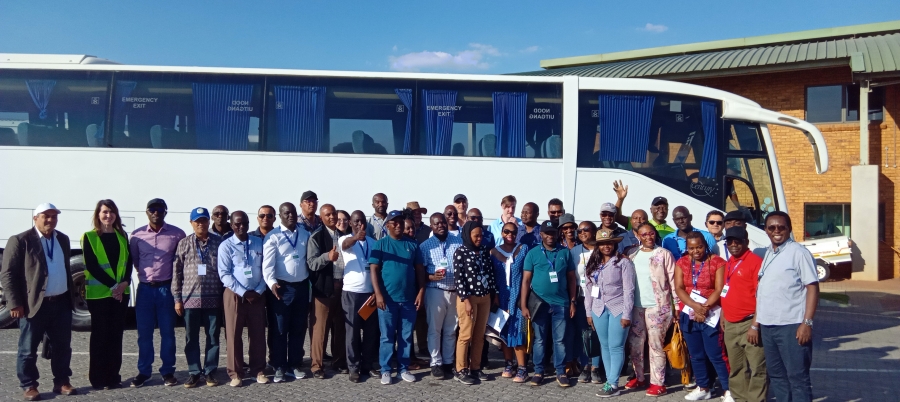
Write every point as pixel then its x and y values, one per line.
pixel 81 317
pixel 823 271
pixel 5 319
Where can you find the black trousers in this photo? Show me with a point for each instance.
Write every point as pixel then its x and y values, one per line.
pixel 107 326
pixel 362 336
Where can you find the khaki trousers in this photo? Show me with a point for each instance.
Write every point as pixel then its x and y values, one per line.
pixel 239 314
pixel 471 331
pixel 328 313
pixel 747 378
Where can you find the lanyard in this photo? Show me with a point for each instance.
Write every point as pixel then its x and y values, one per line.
pixel 696 274
pixel 444 247
pixel 246 251
pixel 552 263
pixel 365 250
pixel 51 247
pixel 296 239
pixel 731 271
pixel 202 251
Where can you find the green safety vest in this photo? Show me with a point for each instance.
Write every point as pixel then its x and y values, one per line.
pixel 93 288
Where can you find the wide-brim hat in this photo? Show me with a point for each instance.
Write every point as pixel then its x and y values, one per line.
pixel 607 236
pixel 414 205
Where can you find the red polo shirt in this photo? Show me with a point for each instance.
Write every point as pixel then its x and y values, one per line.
pixel 741 277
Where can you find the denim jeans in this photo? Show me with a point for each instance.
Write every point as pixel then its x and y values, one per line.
pixel 705 346
pixel 155 306
pixel 787 363
pixel 288 320
pixel 54 318
pixel 612 344
pixel 550 323
pixel 194 318
pixel 396 322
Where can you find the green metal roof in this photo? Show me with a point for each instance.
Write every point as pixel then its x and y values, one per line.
pixel 868 55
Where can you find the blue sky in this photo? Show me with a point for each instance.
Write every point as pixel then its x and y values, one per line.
pixel 443 36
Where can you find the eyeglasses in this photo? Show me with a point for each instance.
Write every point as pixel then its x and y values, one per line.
pixel 776 228
pixel 585 230
pixel 647 234
pixel 343 220
pixel 715 223
pixel 264 216
pixel 156 210
pixel 507 231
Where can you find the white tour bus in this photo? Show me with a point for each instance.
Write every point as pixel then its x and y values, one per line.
pixel 77 129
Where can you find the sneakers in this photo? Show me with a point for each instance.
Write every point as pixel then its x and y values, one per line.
pixel 385 378
pixel 608 390
pixel 262 379
pixel 480 375
pixel 563 380
pixel 235 382
pixel 192 381
pixel 698 394
pixel 521 375
pixel 354 376
pixel 299 374
pixel 508 370
pixel 727 397
pixel 464 377
pixel 139 380
pixel 537 379
pixel 170 380
pixel 585 375
pixel 656 390
pixel 407 376
pixel 634 383
pixel 279 375
pixel 211 381
pixel 437 372
pixel 375 373
pixel 691 385
pixel 597 376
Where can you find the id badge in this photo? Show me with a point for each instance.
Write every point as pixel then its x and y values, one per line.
pixel 583 281
pixel 553 277
pixel 201 269
pixel 724 291
pixel 247 271
pixel 295 257
pixel 443 263
pixel 595 292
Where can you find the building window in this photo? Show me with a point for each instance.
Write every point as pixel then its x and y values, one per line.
pixel 840 103
pixel 826 220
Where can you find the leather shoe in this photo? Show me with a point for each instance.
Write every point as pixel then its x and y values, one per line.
pixel 65 389
pixel 32 394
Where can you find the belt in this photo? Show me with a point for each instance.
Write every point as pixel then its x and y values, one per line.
pixel 157 284
pixel 446 290
pixel 56 297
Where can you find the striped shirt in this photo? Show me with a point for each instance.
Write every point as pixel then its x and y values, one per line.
pixel 188 286
pixel 616 281
pixel 433 251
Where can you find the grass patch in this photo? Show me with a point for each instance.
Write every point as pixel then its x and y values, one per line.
pixel 839 298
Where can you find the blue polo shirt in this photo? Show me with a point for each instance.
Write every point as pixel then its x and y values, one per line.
pixel 678 246
pixel 397 259
pixel 538 262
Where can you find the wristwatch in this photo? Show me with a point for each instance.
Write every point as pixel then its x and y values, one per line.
pixel 808 322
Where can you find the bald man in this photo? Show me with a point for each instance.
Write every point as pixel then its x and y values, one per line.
pixel 326 275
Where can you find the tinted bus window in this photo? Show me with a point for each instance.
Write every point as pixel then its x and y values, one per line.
pixel 53 108
pixel 186 111
pixel 490 119
pixel 675 139
pixel 351 116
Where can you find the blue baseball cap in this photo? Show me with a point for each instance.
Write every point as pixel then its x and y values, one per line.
pixel 394 215
pixel 198 213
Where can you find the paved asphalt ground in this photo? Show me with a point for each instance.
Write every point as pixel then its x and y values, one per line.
pixel 856 358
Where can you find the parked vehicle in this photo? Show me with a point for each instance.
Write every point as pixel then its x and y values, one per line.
pixel 829 252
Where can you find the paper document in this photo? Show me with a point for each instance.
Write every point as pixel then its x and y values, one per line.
pixel 712 316
pixel 498 320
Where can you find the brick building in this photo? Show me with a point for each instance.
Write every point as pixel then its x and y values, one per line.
pixel 812 75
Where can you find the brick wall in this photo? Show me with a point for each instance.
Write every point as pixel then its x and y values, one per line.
pixel 786 93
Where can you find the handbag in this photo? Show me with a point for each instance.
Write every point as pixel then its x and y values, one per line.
pixel 591 342
pixel 676 349
pixel 534 303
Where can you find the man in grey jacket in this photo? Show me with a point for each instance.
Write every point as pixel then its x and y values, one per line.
pixel 326 273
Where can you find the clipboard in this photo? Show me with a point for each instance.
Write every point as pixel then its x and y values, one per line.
pixel 366 310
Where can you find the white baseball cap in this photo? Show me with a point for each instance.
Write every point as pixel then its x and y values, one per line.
pixel 44 208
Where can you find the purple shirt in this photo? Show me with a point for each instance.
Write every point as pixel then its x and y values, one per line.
pixel 616 282
pixel 154 252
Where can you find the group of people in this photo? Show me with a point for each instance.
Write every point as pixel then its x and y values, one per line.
pixel 565 294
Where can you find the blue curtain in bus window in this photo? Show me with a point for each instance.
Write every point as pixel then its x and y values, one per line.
pixel 509 123
pixel 625 127
pixel 222 115
pixel 300 118
pixel 40 93
pixel 439 109
pixel 406 97
pixel 710 112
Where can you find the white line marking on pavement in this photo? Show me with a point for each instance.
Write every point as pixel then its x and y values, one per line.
pixel 856 370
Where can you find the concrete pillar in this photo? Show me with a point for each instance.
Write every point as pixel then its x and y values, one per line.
pixel 864 215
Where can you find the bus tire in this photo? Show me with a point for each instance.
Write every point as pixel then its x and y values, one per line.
pixel 81 317
pixel 5 319
pixel 823 271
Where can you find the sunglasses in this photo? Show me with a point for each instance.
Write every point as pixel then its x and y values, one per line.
pixel 219 214
pixel 156 210
pixel 475 218
pixel 507 231
pixel 776 228
pixel 607 214
pixel 715 223
pixel 585 230
pixel 732 240
pixel 264 216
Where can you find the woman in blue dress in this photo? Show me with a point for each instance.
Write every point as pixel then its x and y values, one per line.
pixel 508 259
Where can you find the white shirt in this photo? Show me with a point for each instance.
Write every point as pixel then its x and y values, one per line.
pixel 356 265
pixel 283 261
pixel 581 255
pixel 56 267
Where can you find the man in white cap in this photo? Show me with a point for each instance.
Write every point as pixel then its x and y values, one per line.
pixel 37 284
pixel 608 221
